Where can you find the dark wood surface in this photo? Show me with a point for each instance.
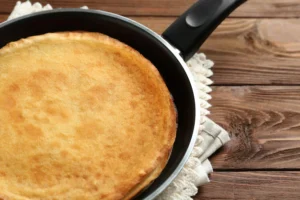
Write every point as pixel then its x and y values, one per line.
pixel 259 185
pixel 264 125
pixel 256 92
pixel 253 8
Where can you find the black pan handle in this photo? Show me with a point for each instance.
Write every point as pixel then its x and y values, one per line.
pixel 192 28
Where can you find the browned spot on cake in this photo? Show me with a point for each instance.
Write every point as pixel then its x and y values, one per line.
pixel 141 141
pixel 103 196
pixel 95 96
pixel 35 89
pixel 76 175
pixel 111 86
pixel 55 145
pixel 94 187
pixel 134 93
pixel 57 111
pixel 14 88
pixel 16 116
pixel 102 164
pixel 41 74
pixel 18 129
pixel 133 104
pixel 21 146
pixel 123 156
pixel 144 120
pixel 57 166
pixel 98 91
pixel 58 176
pixel 75 146
pixel 77 51
pixel 101 92
pixel 98 175
pixel 52 110
pixel 61 78
pixel 85 177
pixel 89 169
pixel 49 78
pixel 7 102
pixel 108 145
pixel 89 130
pixel 88 101
pixel 37 158
pixel 115 76
pixel 99 63
pixel 152 124
pixel 20 179
pixel 109 154
pixel 33 132
pixel 129 130
pixel 124 62
pixel 64 153
pixel 38 175
pixel 85 158
pixel 117 54
pixel 2 174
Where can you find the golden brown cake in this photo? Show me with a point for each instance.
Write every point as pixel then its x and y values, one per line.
pixel 82 116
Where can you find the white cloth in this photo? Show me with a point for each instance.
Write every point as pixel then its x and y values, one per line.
pixel 210 138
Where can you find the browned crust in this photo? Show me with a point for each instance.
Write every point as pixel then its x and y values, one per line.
pixel 153 171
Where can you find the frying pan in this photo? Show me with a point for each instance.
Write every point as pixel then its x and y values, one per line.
pixel 167 52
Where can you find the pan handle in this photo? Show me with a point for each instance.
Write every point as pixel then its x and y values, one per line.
pixel 192 28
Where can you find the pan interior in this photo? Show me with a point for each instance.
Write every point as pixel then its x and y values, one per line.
pixel 140 39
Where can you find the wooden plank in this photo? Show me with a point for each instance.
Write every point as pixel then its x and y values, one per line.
pixel 251 185
pixel 264 125
pixel 249 51
pixel 252 8
pixel 264 51
pixel 128 7
pixel 269 8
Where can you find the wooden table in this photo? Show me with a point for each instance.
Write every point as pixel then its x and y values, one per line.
pixel 256 92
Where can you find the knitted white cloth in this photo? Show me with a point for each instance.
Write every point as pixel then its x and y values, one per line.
pixel 210 138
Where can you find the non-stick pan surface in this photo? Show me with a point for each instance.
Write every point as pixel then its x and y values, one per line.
pixel 152 46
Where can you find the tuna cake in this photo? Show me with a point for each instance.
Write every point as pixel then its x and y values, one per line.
pixel 82 116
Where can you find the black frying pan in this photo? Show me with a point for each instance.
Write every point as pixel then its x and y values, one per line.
pixel 168 53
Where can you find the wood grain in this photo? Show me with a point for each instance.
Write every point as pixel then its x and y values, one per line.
pixel 252 8
pixel 264 125
pixel 251 186
pixel 269 9
pixel 255 51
